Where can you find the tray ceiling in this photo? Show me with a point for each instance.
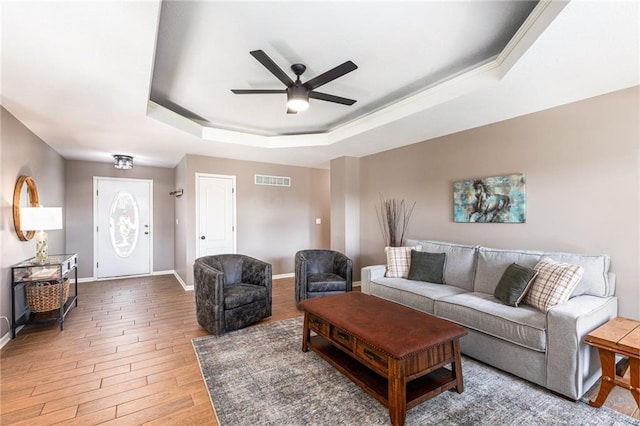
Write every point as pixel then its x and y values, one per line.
pixel 400 48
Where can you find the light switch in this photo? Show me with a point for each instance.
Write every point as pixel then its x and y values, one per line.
pixel 318 221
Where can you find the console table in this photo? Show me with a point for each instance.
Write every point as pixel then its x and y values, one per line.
pixel 55 270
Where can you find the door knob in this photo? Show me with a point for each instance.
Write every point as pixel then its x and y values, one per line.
pixel 202 237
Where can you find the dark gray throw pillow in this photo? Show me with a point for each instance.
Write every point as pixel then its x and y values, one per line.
pixel 514 284
pixel 427 267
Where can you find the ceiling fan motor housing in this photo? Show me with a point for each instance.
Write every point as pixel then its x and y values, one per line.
pixel 298 92
pixel 298 69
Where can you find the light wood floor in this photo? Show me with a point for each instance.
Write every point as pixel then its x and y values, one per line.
pixel 125 357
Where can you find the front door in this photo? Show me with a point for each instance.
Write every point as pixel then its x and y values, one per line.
pixel 123 213
pixel 215 208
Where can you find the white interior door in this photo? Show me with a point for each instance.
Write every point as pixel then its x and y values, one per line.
pixel 123 213
pixel 215 214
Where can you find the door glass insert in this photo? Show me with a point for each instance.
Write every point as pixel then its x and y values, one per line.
pixel 124 223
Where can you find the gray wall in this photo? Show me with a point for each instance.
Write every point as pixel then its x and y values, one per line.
pixel 272 222
pixel 23 153
pixel 79 202
pixel 581 163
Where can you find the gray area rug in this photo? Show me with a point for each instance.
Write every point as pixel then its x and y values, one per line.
pixel 259 376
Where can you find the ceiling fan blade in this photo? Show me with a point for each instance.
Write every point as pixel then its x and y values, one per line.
pixel 256 91
pixel 330 75
pixel 291 111
pixel 268 63
pixel 331 98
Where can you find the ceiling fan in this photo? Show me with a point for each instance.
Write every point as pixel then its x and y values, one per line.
pixel 298 93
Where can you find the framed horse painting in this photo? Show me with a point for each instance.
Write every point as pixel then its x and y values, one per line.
pixel 497 199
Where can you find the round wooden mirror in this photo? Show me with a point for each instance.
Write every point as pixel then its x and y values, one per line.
pixel 25 194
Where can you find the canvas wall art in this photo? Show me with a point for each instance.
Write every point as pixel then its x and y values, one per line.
pixel 498 199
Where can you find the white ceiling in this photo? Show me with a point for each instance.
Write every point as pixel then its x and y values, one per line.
pixel 79 74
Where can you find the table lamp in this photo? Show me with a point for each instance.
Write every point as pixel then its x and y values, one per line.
pixel 41 219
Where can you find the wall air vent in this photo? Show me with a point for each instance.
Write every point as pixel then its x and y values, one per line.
pixel 272 180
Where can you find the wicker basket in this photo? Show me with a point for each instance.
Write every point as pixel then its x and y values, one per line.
pixel 44 296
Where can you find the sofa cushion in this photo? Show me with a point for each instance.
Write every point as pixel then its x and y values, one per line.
pixel 493 262
pixel 524 326
pixel 460 266
pixel 595 280
pixel 398 261
pixel 514 284
pixel 418 295
pixel 553 284
pixel 427 267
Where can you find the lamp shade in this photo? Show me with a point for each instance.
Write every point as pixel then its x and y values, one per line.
pixel 40 218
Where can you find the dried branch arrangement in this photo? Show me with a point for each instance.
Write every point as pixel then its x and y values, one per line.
pixel 394 217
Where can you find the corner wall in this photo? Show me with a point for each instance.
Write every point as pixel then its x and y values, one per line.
pixel 345 209
pixel 582 166
pixel 24 153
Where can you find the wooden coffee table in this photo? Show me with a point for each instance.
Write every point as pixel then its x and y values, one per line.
pixel 618 336
pixel 396 354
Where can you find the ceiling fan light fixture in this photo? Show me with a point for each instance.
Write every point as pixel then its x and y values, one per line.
pixel 297 98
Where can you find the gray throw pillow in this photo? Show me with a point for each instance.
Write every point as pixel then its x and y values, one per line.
pixel 427 267
pixel 514 284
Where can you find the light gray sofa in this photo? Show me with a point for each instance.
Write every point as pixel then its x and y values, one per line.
pixel 544 348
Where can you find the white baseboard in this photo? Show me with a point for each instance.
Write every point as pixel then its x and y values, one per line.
pixel 7 337
pixel 356 284
pixel 167 272
pixel 92 279
pixel 279 276
pixel 182 283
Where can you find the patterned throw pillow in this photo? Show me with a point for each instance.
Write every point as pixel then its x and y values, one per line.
pixel 399 261
pixel 553 284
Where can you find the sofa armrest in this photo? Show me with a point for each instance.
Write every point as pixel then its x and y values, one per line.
pixel 611 277
pixel 572 365
pixel 370 273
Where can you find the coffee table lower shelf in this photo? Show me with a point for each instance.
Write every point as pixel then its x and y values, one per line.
pixel 417 390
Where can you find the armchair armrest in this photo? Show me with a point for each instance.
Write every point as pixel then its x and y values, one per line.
pixel 257 272
pixel 370 273
pixel 209 294
pixel 572 365
pixel 343 266
pixel 300 276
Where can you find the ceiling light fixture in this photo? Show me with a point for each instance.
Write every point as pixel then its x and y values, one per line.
pixel 123 161
pixel 297 98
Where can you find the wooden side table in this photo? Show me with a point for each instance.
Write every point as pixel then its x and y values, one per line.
pixel 618 336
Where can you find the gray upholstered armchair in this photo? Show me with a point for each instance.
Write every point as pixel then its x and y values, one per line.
pixel 232 291
pixel 321 273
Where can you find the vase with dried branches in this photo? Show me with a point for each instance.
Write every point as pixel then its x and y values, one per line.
pixel 394 217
